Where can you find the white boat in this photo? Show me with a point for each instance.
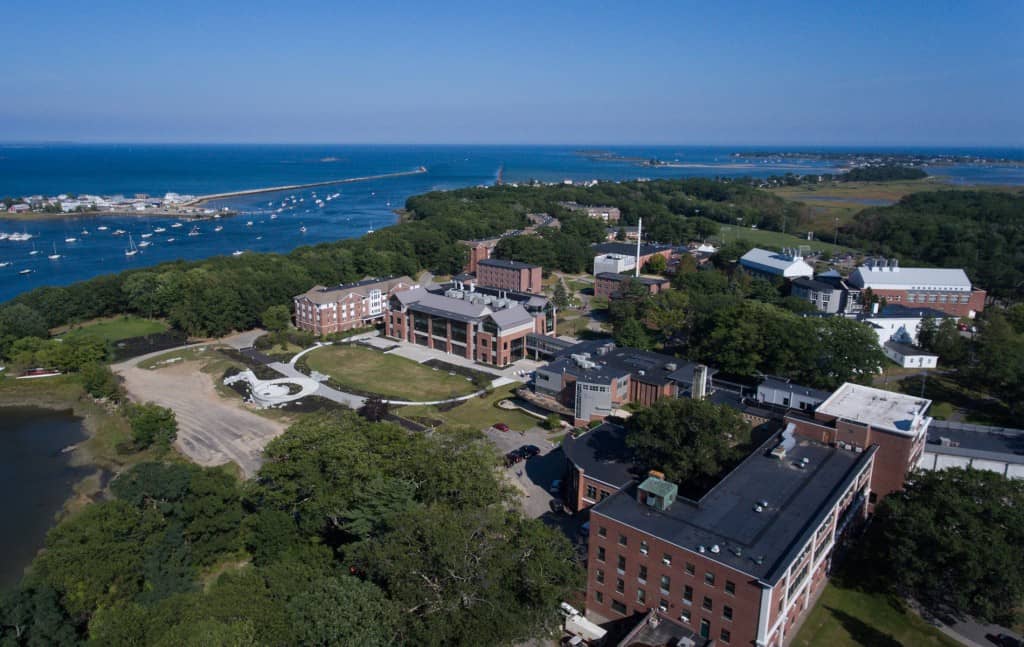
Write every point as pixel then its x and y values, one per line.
pixel 54 256
pixel 4 263
pixel 248 223
pixel 259 238
pixel 302 229
pixel 219 228
pixel 194 231
pixel 102 228
pixel 171 239
pixel 119 232
pixel 85 232
pixel 3 236
pixel 132 250
pixel 147 235
pixel 70 239
pixel 273 216
pixel 34 250
pixel 159 230
pixel 26 271
pixel 144 244
pixel 176 225
pixel 237 252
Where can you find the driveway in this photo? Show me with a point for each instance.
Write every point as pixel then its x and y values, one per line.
pixel 532 477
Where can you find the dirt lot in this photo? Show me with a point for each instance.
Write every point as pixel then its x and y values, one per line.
pixel 211 429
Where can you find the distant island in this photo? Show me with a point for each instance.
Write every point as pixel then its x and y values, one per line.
pixel 845 159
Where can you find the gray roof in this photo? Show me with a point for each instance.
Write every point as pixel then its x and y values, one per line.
pixel 513 265
pixel 977 441
pixel 772 382
pixel 798 500
pixel 908 350
pixel 612 362
pixel 422 300
pixel 815 285
pixel 320 294
pixel 512 317
pixel 629 249
pixel 601 453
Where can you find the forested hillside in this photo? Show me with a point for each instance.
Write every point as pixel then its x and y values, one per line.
pixel 981 231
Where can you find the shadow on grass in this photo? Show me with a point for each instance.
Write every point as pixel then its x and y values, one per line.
pixel 862 632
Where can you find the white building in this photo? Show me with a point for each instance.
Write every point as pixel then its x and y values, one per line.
pixel 787 264
pixel 958 444
pixel 614 263
pixel 909 356
pixel 899 323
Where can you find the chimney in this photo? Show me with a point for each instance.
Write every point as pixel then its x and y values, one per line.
pixel 699 388
pixel 639 237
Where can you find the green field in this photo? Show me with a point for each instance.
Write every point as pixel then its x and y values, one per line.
pixel 369 371
pixel 111 330
pixel 478 413
pixel 773 239
pixel 846 617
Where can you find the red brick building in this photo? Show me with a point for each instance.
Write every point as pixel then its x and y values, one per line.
pixel 509 275
pixel 477 325
pixel 479 250
pixel 597 465
pixel 741 565
pixel 326 310
pixel 858 417
pixel 608 284
pixel 943 289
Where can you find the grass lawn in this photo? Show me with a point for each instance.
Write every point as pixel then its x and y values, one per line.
pixel 369 371
pixel 847 617
pixel 773 239
pixel 478 413
pixel 116 329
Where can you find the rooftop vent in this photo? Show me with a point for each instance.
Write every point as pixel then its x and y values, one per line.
pixel 715 549
pixel 671 366
pixel 759 560
pixel 701 549
pixel 758 508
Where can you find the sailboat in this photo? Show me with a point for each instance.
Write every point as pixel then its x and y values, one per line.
pixel 54 256
pixel 132 250
pixel 194 231
pixel 4 263
pixel 34 250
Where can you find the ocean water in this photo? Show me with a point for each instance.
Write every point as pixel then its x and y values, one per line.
pixel 200 170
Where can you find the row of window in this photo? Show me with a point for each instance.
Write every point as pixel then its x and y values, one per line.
pixel 592 494
pixel 689 568
pixel 942 298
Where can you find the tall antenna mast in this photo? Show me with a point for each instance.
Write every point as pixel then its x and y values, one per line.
pixel 639 237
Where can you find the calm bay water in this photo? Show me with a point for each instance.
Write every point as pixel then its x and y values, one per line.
pixel 157 169
pixel 35 480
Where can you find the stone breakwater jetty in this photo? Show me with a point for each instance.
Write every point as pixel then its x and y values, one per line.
pixel 202 199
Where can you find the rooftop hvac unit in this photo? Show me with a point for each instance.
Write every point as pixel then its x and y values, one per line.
pixel 671 366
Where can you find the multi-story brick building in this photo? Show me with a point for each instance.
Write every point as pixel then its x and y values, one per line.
pixel 742 564
pixel 485 325
pixel 597 465
pixel 594 379
pixel 614 250
pixel 479 250
pixel 859 417
pixel 598 212
pixel 326 310
pixel 509 275
pixel 947 290
pixel 608 284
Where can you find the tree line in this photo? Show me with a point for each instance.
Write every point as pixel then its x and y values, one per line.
pixel 353 533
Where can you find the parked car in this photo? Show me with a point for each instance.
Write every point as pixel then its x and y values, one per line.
pixel 556 487
pixel 1003 640
pixel 529 451
pixel 500 426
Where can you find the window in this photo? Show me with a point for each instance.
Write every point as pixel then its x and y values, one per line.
pixel 622 564
pixel 666 583
pixel 684 616
pixel 663 605
pixel 600 553
pixel 602 531
pixel 618 607
pixel 666 559
pixel 643 574
pixel 687 594
pixel 727 612
pixel 604 495
pixel 591 492
pixel 705 628
pixel 707 604
pixel 599 576
pixel 643 547
pixel 730 587
pixel 620 585
pixel 623 540
pixel 599 597
pixel 725 636
pixel 641 596
pixel 709 579
pixel 690 568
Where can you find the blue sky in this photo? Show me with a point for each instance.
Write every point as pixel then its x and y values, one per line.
pixel 815 73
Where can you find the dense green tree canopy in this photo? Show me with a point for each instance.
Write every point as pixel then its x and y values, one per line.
pixel 688 440
pixel 952 541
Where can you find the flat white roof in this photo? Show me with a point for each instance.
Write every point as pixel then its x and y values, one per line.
pixel 895 412
pixel 911 278
pixel 776 263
